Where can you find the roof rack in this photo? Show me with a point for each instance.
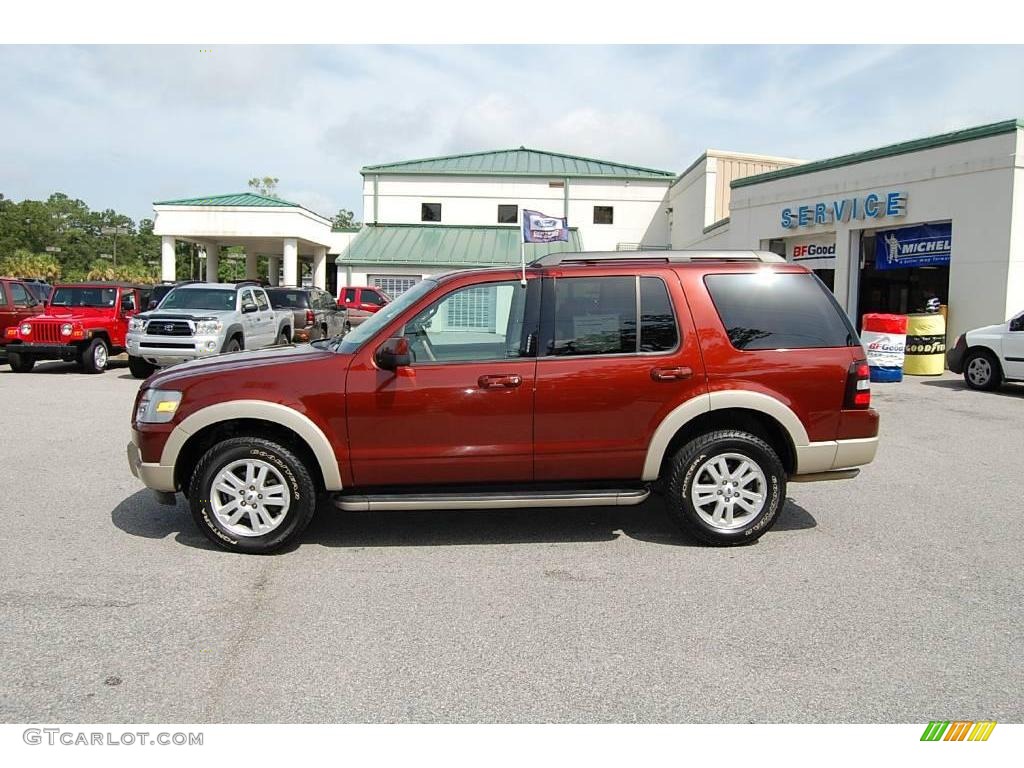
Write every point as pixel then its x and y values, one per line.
pixel 668 257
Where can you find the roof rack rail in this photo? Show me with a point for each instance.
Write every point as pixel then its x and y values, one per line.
pixel 668 257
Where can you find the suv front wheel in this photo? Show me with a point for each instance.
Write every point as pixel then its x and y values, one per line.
pixel 251 495
pixel 726 487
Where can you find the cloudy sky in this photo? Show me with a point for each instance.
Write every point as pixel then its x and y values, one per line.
pixel 123 126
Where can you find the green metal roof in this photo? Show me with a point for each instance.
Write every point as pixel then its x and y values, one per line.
pixel 518 162
pixel 929 142
pixel 447 245
pixel 241 199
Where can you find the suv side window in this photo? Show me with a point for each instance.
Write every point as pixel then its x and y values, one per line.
pixel 593 316
pixel 779 311
pixel 3 296
pixel 19 295
pixel 475 323
pixel 659 331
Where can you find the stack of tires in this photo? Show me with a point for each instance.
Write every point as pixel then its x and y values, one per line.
pixel 885 339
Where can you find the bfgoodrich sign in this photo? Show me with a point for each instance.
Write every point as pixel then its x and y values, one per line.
pixel 874 205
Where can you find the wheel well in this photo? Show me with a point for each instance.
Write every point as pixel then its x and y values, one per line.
pixel 755 422
pixel 984 350
pixel 204 439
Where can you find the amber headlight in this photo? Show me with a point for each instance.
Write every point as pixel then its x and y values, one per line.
pixel 157 406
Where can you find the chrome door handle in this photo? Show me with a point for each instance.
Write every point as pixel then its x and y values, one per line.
pixel 500 381
pixel 671 374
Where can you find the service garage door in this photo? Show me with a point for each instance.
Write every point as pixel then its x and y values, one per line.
pixel 393 285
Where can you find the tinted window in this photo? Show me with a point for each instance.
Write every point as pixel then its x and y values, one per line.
pixel 508 214
pixel 285 298
pixel 372 297
pixel 779 311
pixel 128 301
pixel 349 295
pixel 604 214
pixel 19 294
pixel 430 212
pixel 83 296
pixel 3 296
pixel 200 298
pixel 594 316
pixel 658 330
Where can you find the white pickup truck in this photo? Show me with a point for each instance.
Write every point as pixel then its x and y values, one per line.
pixel 991 355
pixel 198 320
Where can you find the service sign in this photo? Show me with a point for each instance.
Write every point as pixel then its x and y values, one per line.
pixel 817 252
pixel 874 205
pixel 927 245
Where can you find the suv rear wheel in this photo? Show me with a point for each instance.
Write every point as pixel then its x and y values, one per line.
pixel 251 495
pixel 20 363
pixel 95 356
pixel 726 487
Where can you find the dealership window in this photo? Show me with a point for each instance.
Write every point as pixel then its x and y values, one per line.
pixel 480 322
pixel 430 212
pixel 393 285
pixel 604 214
pixel 508 214
pixel 779 311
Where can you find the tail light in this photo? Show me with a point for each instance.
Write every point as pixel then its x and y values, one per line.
pixel 310 317
pixel 858 386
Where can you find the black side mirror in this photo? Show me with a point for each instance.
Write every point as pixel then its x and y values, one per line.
pixel 393 354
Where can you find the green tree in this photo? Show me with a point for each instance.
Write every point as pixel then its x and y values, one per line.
pixel 344 219
pixel 266 186
pixel 24 263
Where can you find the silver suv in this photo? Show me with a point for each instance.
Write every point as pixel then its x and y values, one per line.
pixel 203 319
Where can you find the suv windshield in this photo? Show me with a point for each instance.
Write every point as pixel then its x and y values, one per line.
pixel 84 296
pixel 290 298
pixel 355 338
pixel 222 299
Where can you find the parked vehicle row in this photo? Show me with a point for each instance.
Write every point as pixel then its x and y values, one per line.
pixel 713 377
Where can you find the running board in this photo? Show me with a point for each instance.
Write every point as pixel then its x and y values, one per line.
pixel 390 502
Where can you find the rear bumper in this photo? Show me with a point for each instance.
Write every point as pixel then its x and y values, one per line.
pixel 955 355
pixel 835 455
pixel 155 476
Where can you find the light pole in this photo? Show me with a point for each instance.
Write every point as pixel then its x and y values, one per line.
pixel 115 231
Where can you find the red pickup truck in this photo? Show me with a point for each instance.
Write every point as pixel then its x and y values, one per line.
pixel 593 379
pixel 83 322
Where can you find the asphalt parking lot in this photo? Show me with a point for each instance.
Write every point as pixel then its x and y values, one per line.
pixel 895 597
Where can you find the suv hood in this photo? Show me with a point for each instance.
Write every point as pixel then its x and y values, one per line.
pixel 238 362
pixel 186 314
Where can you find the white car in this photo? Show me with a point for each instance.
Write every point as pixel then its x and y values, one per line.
pixel 991 355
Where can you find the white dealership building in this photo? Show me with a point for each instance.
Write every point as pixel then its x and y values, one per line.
pixel 887 228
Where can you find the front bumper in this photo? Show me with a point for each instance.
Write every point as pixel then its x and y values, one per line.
pixel 66 352
pixel 169 350
pixel 955 355
pixel 156 476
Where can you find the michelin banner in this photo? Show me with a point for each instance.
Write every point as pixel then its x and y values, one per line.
pixel 927 245
pixel 818 252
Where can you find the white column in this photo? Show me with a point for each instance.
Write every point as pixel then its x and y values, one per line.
pixel 291 261
pixel 168 261
pixel 212 262
pixel 273 269
pixel 320 266
pixel 251 265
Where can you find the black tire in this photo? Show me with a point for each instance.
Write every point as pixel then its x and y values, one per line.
pixel 232 345
pixel 975 377
pixel 20 363
pixel 96 356
pixel 284 339
pixel 140 368
pixel 301 490
pixel 689 464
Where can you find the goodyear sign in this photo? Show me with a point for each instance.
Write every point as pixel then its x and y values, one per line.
pixel 927 245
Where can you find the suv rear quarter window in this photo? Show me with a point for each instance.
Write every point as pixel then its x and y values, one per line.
pixel 771 310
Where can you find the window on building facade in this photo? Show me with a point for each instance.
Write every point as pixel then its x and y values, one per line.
pixel 508 214
pixel 430 212
pixel 393 285
pixel 604 214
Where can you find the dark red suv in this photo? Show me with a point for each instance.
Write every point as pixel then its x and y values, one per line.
pixel 592 379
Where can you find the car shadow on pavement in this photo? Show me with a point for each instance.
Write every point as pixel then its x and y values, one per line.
pixel 1006 390
pixel 140 515
pixel 59 366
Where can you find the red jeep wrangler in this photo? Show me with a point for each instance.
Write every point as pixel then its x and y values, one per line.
pixel 713 377
pixel 83 322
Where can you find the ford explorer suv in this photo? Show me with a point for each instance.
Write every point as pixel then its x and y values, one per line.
pixel 991 355
pixel 18 302
pixel 589 379
pixel 198 320
pixel 84 323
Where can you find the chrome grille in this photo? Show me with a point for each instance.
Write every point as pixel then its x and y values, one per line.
pixel 168 328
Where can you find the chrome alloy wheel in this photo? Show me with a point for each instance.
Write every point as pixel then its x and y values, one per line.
pixel 979 371
pixel 728 491
pixel 250 497
pixel 99 356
